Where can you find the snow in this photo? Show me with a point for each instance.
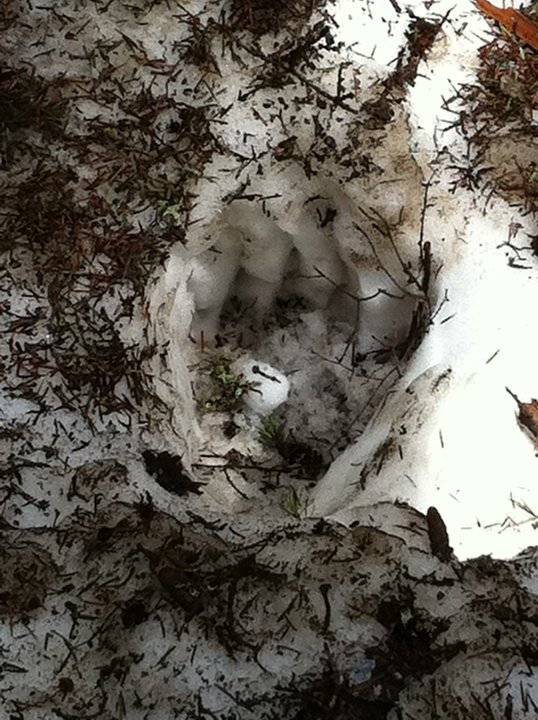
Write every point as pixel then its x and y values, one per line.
pixel 465 443
pixel 304 273
pixel 269 387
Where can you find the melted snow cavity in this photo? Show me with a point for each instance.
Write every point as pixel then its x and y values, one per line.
pixel 302 289
pixel 317 281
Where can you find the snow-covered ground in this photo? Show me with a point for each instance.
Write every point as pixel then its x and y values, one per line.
pixel 248 252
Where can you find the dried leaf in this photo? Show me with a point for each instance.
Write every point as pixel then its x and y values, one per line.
pixel 528 414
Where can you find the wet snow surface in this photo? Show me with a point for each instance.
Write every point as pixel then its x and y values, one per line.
pixel 252 330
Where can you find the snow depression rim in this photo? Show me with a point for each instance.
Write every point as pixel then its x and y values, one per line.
pixel 287 318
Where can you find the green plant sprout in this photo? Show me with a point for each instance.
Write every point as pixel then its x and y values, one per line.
pixel 271 432
pixel 227 387
pixel 171 211
pixel 294 505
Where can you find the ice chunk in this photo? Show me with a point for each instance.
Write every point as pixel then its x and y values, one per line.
pixel 271 389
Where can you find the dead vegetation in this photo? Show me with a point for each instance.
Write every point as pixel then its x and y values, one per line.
pixel 420 37
pixel 73 227
pixel 262 16
pixel 28 102
pixel 508 74
pixel 498 115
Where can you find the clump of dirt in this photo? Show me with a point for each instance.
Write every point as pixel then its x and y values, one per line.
pixel 168 472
